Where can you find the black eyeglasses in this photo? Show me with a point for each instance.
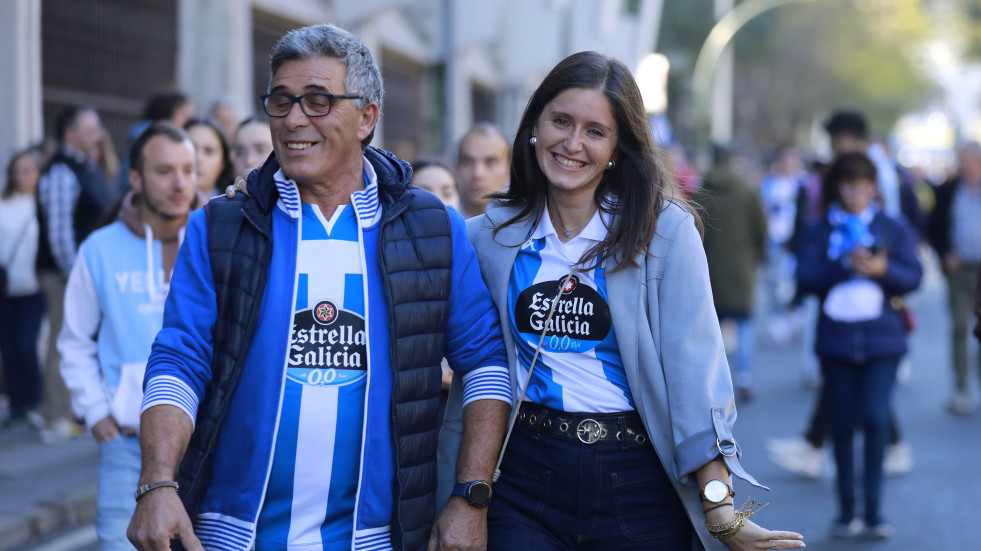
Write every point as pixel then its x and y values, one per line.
pixel 312 105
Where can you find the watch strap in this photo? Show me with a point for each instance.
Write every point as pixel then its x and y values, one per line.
pixel 463 489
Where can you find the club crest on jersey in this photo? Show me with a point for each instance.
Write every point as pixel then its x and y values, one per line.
pixel 570 285
pixel 324 312
pixel 580 322
pixel 328 346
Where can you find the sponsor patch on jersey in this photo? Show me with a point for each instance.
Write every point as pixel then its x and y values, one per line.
pixel 329 346
pixel 580 322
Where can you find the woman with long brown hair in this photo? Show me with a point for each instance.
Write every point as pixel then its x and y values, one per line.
pixel 624 438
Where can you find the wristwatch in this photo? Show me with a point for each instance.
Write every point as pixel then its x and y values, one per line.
pixel 477 492
pixel 715 491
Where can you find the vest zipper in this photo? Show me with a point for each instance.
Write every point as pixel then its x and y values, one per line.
pixel 397 209
pixel 213 437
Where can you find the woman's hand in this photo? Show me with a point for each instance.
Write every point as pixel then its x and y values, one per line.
pixel 755 537
pixel 239 186
pixel 868 264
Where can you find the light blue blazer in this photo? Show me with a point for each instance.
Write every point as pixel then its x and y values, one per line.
pixel 669 338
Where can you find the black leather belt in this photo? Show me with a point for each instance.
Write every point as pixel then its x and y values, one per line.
pixel 625 429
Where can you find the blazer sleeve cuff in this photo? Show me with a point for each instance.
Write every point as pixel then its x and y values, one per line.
pixel 709 445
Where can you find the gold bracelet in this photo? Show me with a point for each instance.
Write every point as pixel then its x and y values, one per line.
pixel 735 524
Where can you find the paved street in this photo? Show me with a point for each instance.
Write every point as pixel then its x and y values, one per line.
pixel 932 508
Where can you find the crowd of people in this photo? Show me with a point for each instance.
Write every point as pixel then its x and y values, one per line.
pixel 527 347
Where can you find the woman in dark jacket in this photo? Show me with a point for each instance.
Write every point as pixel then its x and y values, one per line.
pixel 859 261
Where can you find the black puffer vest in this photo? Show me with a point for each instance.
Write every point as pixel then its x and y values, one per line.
pixel 94 203
pixel 415 256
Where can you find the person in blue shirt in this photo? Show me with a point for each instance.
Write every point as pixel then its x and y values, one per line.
pixel 295 384
pixel 114 304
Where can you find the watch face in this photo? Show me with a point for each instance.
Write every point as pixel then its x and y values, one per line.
pixel 480 493
pixel 715 491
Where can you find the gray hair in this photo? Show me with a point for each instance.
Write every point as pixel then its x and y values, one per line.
pixel 363 77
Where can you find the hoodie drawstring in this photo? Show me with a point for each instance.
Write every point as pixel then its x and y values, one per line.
pixel 151 277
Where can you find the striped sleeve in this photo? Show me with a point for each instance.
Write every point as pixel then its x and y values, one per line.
pixel 171 391
pixel 487 383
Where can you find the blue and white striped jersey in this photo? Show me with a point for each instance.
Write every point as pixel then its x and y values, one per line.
pixel 579 368
pixel 310 498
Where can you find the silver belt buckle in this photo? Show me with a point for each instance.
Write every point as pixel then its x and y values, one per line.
pixel 589 431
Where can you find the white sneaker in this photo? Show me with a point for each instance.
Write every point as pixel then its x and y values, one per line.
pixel 961 403
pixel 905 371
pixel 60 430
pixel 898 459
pixel 847 531
pixel 881 531
pixel 35 420
pixel 796 455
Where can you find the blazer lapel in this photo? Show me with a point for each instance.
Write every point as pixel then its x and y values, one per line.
pixel 503 249
pixel 623 289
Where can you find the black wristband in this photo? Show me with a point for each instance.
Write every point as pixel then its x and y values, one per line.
pixel 714 507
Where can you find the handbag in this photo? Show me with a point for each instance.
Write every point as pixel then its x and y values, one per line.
pixel 13 254
pixel 909 320
pixel 531 368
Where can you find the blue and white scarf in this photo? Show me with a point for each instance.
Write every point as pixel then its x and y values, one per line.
pixel 850 231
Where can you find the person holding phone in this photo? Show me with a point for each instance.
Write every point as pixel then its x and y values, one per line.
pixel 859 261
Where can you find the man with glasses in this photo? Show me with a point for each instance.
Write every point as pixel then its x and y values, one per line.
pixel 291 396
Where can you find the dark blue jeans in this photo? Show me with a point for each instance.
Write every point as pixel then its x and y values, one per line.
pixel 858 396
pixel 561 494
pixel 20 323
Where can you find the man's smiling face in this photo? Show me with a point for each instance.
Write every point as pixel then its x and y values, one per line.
pixel 311 149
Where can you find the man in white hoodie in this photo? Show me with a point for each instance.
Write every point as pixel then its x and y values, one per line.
pixel 114 305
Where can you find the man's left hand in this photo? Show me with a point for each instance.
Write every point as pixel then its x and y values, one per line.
pixel 459 526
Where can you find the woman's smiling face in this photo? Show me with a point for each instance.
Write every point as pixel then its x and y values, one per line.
pixel 577 136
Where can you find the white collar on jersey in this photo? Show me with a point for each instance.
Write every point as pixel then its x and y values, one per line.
pixel 365 201
pixel 595 229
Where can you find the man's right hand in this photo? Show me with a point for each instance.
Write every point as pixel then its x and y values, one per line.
pixel 105 430
pixel 160 517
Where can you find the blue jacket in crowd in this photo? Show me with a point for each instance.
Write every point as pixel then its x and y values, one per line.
pixel 880 338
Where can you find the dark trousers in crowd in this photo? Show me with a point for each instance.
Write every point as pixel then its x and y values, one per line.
pixel 859 395
pixel 558 493
pixel 55 399
pixel 960 295
pixel 20 323
pixel 820 425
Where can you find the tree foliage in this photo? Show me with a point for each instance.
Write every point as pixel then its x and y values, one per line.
pixel 795 64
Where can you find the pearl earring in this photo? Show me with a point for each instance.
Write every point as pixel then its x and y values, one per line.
pixel 610 165
pixel 533 141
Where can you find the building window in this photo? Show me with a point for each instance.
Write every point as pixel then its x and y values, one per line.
pixel 403 125
pixel 111 54
pixel 267 29
pixel 483 104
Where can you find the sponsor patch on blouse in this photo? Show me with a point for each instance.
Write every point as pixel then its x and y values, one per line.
pixel 580 322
